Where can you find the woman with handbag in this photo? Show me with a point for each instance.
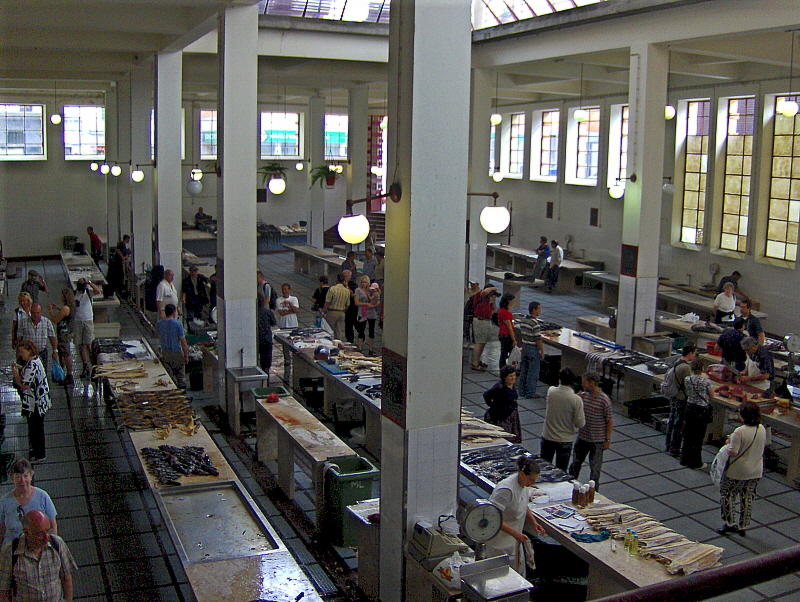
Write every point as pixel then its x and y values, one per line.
pixel 745 469
pixel 697 415
pixel 32 382
pixel 502 401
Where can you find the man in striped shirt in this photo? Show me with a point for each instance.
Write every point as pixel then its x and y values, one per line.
pixel 532 350
pixel 595 436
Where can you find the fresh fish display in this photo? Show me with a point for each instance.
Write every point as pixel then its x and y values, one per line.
pixel 497 463
pixel 168 463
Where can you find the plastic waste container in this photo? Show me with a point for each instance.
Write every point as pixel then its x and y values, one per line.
pixel 346 480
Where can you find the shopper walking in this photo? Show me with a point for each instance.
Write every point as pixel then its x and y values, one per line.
pixel 556 259
pixel 21 313
pixel 697 416
pixel 673 389
pixel 337 300
pixel 562 419
pixel 62 315
pixel 83 323
pixel 482 327
pixel 745 469
pixel 31 380
pixel 595 435
pixel 502 402
pixel 367 298
pixel 40 330
pixel 174 348
pixel 23 498
pixel 266 320
pixel 530 330
pixel 505 322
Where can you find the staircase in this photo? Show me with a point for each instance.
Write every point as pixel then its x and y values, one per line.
pixel 377 225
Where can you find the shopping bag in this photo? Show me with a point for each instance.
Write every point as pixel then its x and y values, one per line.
pixel 57 373
pixel 718 465
pixel 515 357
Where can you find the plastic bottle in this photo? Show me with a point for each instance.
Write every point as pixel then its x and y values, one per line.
pixel 591 492
pixel 627 540
pixel 575 490
pixel 584 496
pixel 633 546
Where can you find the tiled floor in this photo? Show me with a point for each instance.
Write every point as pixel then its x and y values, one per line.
pixel 111 523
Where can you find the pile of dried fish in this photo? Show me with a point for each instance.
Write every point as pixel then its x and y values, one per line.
pixel 354 361
pixel 677 552
pixel 168 463
pixel 496 463
pixel 162 411
pixel 479 431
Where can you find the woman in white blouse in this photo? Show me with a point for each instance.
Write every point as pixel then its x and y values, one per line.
pixel 724 304
pixel 745 469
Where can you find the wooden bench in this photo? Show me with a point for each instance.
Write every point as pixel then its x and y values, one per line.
pixel 511 286
pixel 679 301
pixel 505 258
pixel 290 434
pixel 315 262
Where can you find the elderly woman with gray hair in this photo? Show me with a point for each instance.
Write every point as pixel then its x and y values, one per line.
pixel 759 369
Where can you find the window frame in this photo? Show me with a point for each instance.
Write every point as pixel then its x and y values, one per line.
pixel 95 157
pixel 328 157
pixel 44 121
pixel 200 111
pixel 300 134
pixel 571 163
pixel 537 136
pixel 507 126
pixel 616 169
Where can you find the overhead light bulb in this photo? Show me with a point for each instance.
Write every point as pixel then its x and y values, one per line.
pixel 376 170
pixel 353 228
pixel 339 168
pixel 299 166
pixel 55 118
pixel 669 112
pixel 668 188
pixel 616 191
pixel 356 11
pixel 787 107
pixel 495 118
pixel 116 171
pixel 277 185
pixel 105 168
pixel 137 175
pixel 196 174
pixel 497 176
pixel 94 166
pixel 384 122
pixel 580 115
pixel 194 187
pixel 495 219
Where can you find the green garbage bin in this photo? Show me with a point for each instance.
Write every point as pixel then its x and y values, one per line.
pixel 346 480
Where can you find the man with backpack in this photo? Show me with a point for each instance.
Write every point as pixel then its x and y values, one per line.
pixel 483 329
pixel 673 389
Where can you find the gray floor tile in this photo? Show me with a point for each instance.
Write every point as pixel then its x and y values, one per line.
pixel 746 595
pixel 655 509
pixel 689 478
pixel 620 492
pixel 635 430
pixel 691 528
pixel 631 447
pixel 729 545
pixel 687 502
pixel 773 485
pixel 624 469
pixel 653 484
pixel 776 587
pixel 790 499
pixel 89 582
pixel 765 539
pixel 659 462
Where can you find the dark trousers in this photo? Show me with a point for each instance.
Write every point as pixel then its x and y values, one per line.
pixel 350 317
pixel 36 435
pixel 695 422
pixel 194 309
pixel 552 276
pixel 361 328
pixel 579 452
pixel 561 451
pixel 265 356
pixel 677 409
pixel 506 345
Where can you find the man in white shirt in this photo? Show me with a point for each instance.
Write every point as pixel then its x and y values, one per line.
pixel 83 322
pixel 556 259
pixel 563 417
pixel 166 294
pixel 287 307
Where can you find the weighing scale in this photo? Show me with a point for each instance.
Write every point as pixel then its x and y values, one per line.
pixel 429 545
pixel 480 521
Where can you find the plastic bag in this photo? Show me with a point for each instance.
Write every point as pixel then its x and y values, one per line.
pixel 57 373
pixel 449 570
pixel 515 357
pixel 719 464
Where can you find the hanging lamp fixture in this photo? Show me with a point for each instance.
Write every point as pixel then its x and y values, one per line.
pixel 496 118
pixel 580 114
pixel 786 106
pixel 55 116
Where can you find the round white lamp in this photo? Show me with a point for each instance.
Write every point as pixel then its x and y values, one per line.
pixel 668 188
pixel 196 174
pixel 55 118
pixel 116 171
pixel 580 115
pixel 299 166
pixel 105 168
pixel 356 11
pixel 787 107
pixel 495 219
pixel 495 119
pixel 669 112
pixel 376 170
pixel 137 175
pixel 277 185
pixel 353 228
pixel 384 122
pixel 497 176
pixel 616 191
pixel 94 166
pixel 194 187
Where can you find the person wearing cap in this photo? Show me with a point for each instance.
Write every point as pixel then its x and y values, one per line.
pixel 33 285
pixel 195 293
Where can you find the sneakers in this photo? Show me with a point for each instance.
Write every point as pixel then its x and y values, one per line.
pixel 727 529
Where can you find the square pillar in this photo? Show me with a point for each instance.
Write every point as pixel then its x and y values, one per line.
pixel 236 189
pixel 479 180
pixel 169 181
pixel 142 198
pixel 641 220
pixel 357 126
pixel 315 143
pixel 429 89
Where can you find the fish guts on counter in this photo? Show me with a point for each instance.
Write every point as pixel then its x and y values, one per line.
pixel 168 463
pixel 496 463
pixel 676 551
pixel 160 410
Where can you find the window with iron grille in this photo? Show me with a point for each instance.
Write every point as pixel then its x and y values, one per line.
pixel 784 193
pixel 208 134
pixel 280 135
pixel 588 145
pixel 335 136
pixel 22 132
pixel 516 144
pixel 740 118
pixel 695 170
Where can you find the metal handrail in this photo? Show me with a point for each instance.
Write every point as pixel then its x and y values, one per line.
pixel 714 582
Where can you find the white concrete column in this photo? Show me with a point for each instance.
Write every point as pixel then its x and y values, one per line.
pixel 169 181
pixel 124 184
pixel 142 198
pixel 641 221
pixel 236 189
pixel 429 84
pixel 357 128
pixel 113 148
pixel 315 143
pixel 479 180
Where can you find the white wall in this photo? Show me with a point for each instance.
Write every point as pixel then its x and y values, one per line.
pixel 42 201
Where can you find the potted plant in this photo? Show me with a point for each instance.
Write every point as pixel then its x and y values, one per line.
pixel 270 170
pixel 323 173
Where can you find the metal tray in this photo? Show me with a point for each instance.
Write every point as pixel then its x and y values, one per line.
pixel 216 521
